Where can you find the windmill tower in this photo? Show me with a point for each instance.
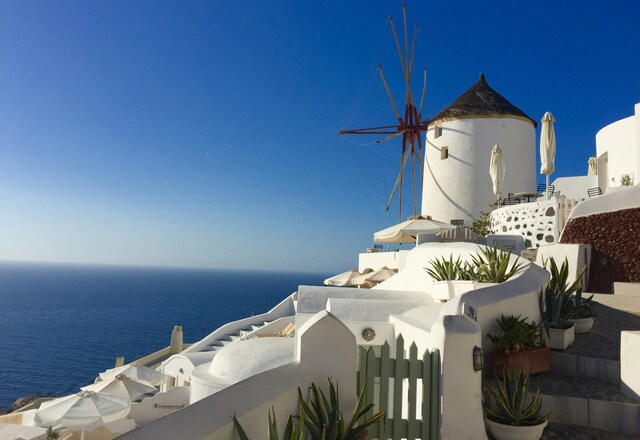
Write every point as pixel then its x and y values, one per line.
pixel 457 184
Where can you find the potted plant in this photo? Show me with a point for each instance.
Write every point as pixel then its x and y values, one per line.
pixel 511 413
pixel 453 278
pixel 450 277
pixel 519 347
pixel 321 418
pixel 585 313
pixel 492 265
pixel 556 306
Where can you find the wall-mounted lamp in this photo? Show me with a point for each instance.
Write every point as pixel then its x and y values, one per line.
pixel 478 359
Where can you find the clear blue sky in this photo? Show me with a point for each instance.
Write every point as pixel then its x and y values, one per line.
pixel 203 133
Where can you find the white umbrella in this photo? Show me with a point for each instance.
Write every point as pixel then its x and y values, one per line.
pixel 547 147
pixel 375 277
pixel 593 167
pixel 136 372
pixel 407 231
pixel 497 170
pixel 122 386
pixel 85 411
pixel 343 279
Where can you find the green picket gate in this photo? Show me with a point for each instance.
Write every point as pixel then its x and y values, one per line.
pixel 392 386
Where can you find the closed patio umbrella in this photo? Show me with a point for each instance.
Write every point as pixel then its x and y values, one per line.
pixel 497 170
pixel 547 147
pixel 593 167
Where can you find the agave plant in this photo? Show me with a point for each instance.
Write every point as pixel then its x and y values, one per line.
pixel 556 299
pixel 321 418
pixel 516 334
pixel 492 265
pixel 325 420
pixel 449 270
pixel 583 306
pixel 292 431
pixel 513 405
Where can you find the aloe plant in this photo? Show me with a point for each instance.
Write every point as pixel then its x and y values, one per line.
pixel 516 334
pixel 556 299
pixel 492 265
pixel 584 307
pixel 449 270
pixel 513 405
pixel 320 418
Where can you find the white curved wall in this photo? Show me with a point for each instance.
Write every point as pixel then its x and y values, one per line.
pixel 460 187
pixel 621 140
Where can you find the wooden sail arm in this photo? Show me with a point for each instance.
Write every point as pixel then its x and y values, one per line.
pixel 390 137
pixel 424 90
pixel 383 129
pixel 386 87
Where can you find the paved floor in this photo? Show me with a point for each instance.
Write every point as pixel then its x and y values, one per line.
pixel 572 432
pixel 584 387
pixel 603 341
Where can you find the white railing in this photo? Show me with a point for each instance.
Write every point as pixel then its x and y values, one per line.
pixel 284 308
pixel 462 233
pixel 564 210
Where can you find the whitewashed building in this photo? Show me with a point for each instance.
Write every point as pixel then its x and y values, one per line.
pixel 457 185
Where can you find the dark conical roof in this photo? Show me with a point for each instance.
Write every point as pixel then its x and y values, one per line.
pixel 481 101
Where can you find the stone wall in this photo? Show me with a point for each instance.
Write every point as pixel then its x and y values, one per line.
pixel 615 240
pixel 536 222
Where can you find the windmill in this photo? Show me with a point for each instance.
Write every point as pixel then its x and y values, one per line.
pixel 409 124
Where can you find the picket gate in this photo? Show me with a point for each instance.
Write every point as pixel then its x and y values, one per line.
pixel 392 385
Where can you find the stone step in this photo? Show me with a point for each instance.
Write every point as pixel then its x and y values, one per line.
pixel 630 289
pixel 605 370
pixel 558 431
pixel 587 402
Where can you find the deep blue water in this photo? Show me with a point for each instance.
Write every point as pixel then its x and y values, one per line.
pixel 60 325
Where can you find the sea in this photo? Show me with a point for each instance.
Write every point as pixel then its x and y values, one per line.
pixel 61 325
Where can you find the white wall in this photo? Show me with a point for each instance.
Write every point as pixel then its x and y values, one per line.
pixel 537 222
pixel 577 255
pixel 575 187
pixel 253 398
pixel 460 187
pixel 623 198
pixel 630 363
pixel 621 140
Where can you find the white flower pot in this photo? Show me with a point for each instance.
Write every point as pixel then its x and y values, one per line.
pixel 583 325
pixel 508 432
pixel 446 290
pixel 560 338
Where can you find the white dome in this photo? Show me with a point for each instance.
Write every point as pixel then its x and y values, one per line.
pixel 243 359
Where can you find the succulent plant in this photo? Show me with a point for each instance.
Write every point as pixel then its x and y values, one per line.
pixel 513 405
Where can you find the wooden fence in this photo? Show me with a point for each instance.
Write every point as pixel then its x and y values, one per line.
pixel 392 385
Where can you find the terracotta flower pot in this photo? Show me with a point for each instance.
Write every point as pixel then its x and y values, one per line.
pixel 529 361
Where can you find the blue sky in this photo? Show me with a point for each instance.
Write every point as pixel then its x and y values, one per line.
pixel 204 133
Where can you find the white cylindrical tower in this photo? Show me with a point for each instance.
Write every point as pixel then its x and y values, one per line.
pixel 457 184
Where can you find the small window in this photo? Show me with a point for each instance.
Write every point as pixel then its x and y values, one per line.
pixel 437 132
pixel 444 153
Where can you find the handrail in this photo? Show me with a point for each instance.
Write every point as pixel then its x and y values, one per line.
pixel 284 308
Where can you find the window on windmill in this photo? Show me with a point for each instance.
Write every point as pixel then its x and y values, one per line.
pixel 444 153
pixel 437 132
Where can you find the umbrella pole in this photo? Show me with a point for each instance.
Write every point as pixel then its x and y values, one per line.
pixel 547 187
